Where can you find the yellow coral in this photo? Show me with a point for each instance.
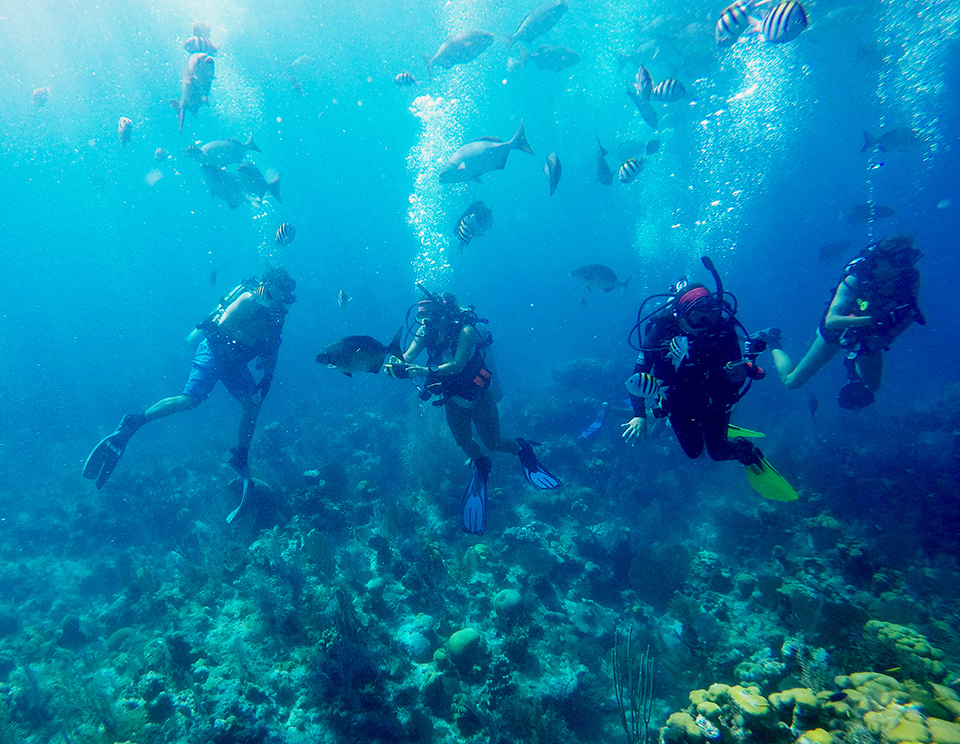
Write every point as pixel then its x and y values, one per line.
pixel 815 736
pixel 681 727
pixel 749 701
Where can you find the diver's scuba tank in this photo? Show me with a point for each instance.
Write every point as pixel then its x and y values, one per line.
pixel 210 322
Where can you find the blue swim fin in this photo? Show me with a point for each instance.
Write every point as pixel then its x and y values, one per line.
pixel 473 506
pixel 537 475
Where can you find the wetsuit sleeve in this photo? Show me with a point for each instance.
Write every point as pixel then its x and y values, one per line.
pixel 644 363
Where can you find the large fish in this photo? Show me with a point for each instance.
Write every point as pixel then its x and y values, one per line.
pixel 196 82
pixel 358 354
pixel 598 276
pixel 476 220
pixel 893 140
pixel 224 184
pixel 555 59
pixel 538 22
pixel 864 213
pixel 222 152
pixel 253 182
pixel 480 156
pixel 604 174
pixel 553 171
pixel 459 49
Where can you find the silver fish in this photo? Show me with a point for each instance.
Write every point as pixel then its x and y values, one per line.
pixel 195 85
pixel 538 22
pixel 200 44
pixel 555 59
pixel 480 156
pixel 160 155
pixel 733 21
pixel 645 385
pixel 643 83
pixel 359 354
pixel 404 78
pixel 459 49
pixel 553 170
pixel 598 276
pixel 893 140
pixel 222 152
pixel 783 23
pixel 201 29
pixel 604 174
pixel 679 350
pixel 285 234
pixel 224 184
pixel 40 97
pixel 342 299
pixel 476 220
pixel 644 107
pixel 630 169
pixel 668 91
pixel 254 183
pixel 124 130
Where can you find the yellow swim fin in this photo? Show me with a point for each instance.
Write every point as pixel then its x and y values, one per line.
pixel 738 431
pixel 769 483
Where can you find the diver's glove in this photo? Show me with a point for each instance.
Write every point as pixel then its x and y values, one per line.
pixel 263 387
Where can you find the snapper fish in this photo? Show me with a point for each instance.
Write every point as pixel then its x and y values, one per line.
pixel 476 220
pixel 224 184
pixel 668 91
pixel 254 183
pixel 359 354
pixel 459 49
pixel 481 156
pixel 783 23
pixel 734 20
pixel 598 276
pixel 222 152
pixel 555 59
pixel 893 140
pixel 645 385
pixel 124 130
pixel 285 234
pixel 604 174
pixel 538 22
pixel 553 170
pixel 630 169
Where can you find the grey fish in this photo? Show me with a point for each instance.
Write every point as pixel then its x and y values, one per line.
pixel 864 213
pixel 224 184
pixel 831 251
pixel 195 85
pixel 482 155
pixel 358 354
pixel 652 146
pixel 254 183
pixel 604 174
pixel 555 59
pixel 553 171
pixel 598 276
pixel 459 49
pixel 222 152
pixel 538 22
pixel 894 140
pixel 200 44
pixel 476 220
pixel 644 107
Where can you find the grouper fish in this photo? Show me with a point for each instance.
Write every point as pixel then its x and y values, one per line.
pixel 538 22
pixel 482 155
pixel 223 152
pixel 459 49
pixel 358 354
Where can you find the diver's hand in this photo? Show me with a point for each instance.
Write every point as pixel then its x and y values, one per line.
pixel 635 429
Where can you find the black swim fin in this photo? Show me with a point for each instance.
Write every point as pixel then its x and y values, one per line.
pixel 537 475
pixel 105 456
pixel 473 507
pixel 855 395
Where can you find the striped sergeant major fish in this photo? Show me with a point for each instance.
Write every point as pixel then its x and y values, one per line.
pixel 476 220
pixel 668 91
pixel 783 23
pixel 404 79
pixel 645 385
pixel 285 234
pixel 630 170
pixel 124 130
pixel 734 20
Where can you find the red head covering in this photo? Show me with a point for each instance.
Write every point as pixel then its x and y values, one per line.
pixel 689 298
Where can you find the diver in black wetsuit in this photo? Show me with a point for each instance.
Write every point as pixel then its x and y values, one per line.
pixel 461 376
pixel 692 365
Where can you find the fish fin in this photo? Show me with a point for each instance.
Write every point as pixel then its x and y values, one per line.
pixel 251 145
pixel 519 141
pixel 274 188
pixel 868 141
pixel 429 65
pixel 477 179
pixel 624 284
pixel 394 347
pixel 603 153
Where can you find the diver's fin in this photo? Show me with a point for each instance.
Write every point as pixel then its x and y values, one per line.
pixel 247 481
pixel 473 506
pixel 537 475
pixel 854 396
pixel 238 461
pixel 739 431
pixel 105 456
pixel 769 483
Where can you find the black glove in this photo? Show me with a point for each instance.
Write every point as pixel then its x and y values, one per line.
pixel 263 387
pixel 885 319
pixel 397 369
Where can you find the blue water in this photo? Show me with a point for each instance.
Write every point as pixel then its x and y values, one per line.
pixel 107 253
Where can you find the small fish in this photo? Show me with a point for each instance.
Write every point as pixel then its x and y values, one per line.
pixel 342 299
pixel 538 22
pixel 358 354
pixel 782 24
pixel 480 156
pixel 200 44
pixel 553 170
pixel 476 220
pixel 459 49
pixel 193 151
pixel 861 214
pixel 679 350
pixel 652 146
pixel 668 91
pixel 630 170
pixel 285 234
pixel 830 251
pixel 224 184
pixel 894 140
pixel 644 107
pixel 213 277
pixel 160 155
pixel 944 203
pixel 733 21
pixel 598 276
pixel 40 97
pixel 404 79
pixel 645 385
pixel 604 174
pixel 295 85
pixel 643 83
pixel 254 183
pixel 124 130
pixel 201 29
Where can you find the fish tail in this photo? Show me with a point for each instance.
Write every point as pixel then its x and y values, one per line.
pixel 394 347
pixel 868 141
pixel 274 188
pixel 603 153
pixel 525 57
pixel 624 284
pixel 519 141
pixel 429 62
pixel 251 145
pixel 510 40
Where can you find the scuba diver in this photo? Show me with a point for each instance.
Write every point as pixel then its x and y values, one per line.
pixel 874 302
pixel 461 376
pixel 690 362
pixel 247 325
